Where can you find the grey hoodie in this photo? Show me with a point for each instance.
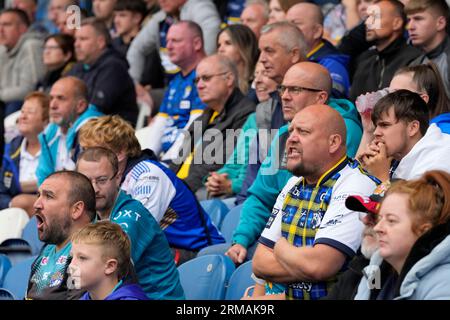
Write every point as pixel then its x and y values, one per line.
pixel 21 67
pixel 428 278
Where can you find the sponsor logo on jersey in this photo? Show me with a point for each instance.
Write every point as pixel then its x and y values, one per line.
pixel 61 260
pixel 187 92
pixel 56 279
pixel 44 261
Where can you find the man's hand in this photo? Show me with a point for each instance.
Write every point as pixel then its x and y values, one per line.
pixel 237 253
pixel 218 184
pixel 379 163
pixel 369 151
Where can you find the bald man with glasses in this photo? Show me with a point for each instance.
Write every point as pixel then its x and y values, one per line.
pixel 150 251
pixel 304 84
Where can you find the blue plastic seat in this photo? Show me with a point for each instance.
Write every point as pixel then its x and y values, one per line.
pixel 220 248
pixel 5 265
pixel 216 210
pixel 240 280
pixel 16 249
pixel 30 234
pixel 6 295
pixel 206 277
pixel 230 223
pixel 16 280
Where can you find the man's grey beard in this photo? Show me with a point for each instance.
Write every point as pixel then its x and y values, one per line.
pixel 368 247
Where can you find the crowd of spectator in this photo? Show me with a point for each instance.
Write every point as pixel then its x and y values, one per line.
pixel 327 122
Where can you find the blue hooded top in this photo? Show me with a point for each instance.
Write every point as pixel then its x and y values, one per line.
pixel 123 292
pixel 443 122
pixel 328 56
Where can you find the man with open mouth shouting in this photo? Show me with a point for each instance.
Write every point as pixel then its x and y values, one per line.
pixel 65 204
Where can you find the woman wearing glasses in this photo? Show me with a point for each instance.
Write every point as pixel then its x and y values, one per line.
pixel 58 57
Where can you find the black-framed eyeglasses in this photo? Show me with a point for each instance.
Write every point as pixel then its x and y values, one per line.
pixel 101 181
pixel 295 90
pixel 207 77
pixel 51 47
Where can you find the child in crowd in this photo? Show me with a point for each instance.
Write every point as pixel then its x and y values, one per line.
pixel 101 261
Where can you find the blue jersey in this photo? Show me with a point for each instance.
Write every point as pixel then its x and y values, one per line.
pixel 150 252
pixel 234 10
pixel 181 101
pixel 172 204
pixel 122 291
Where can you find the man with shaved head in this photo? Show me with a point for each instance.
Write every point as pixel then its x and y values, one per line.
pixel 69 110
pixel 305 83
pixel 310 233
pixel 308 18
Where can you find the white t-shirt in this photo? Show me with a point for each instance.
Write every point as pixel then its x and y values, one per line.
pixel 63 160
pixel 28 164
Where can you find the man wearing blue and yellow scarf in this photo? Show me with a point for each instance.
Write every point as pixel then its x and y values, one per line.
pixel 311 234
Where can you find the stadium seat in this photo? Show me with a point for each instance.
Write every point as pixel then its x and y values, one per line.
pixel 220 248
pixel 206 277
pixel 30 234
pixel 16 249
pixel 240 280
pixel 216 209
pixel 12 222
pixel 5 265
pixel 229 202
pixel 230 223
pixel 16 280
pixel 6 295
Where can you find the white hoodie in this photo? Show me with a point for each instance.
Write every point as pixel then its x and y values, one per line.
pixel 432 152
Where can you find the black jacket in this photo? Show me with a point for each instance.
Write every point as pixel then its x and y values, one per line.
pixel 347 284
pixel 51 77
pixel 233 116
pixel 110 87
pixel 353 44
pixel 153 73
pixel 375 70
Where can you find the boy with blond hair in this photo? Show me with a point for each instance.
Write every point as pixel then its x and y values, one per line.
pixel 101 261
